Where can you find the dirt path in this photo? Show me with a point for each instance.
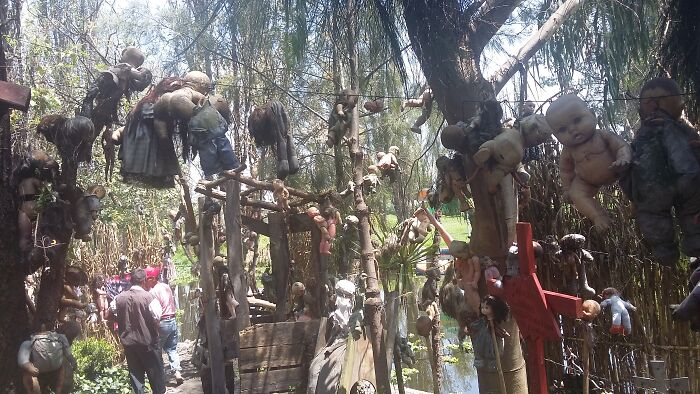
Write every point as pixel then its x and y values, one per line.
pixel 192 384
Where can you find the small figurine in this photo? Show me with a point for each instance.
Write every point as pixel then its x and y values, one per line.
pixel 298 291
pixel 418 227
pixel 370 181
pixel 504 154
pixel 425 101
pixel 281 194
pixel 341 115
pixel 665 173
pixel 620 311
pixel 574 259
pixel 590 159
pixel 388 163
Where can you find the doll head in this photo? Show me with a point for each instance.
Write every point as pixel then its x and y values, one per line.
pixel 609 292
pixel 660 98
pixel 591 309
pixel 494 308
pixel 571 121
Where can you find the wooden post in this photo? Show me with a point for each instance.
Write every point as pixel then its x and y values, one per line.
pixel 206 253
pixel 373 304
pixel 586 363
pixel 234 247
pixel 436 345
pixel 317 263
pixel 279 256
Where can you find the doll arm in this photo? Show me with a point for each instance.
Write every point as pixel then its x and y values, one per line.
pixel 622 150
pixel 566 170
pixel 605 304
pixel 679 152
pixel 629 306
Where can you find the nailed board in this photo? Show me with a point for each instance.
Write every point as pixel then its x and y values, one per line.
pixel 281 380
pixel 283 333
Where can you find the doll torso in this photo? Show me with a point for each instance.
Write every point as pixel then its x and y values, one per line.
pixel 592 161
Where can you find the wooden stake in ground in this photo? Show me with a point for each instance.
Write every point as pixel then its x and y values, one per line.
pixel 206 253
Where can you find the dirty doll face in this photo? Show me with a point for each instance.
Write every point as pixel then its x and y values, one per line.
pixel 572 122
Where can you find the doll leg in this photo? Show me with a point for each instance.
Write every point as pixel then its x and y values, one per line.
pixel 226 157
pixel 626 323
pixel 688 214
pixel 583 197
pixel 208 158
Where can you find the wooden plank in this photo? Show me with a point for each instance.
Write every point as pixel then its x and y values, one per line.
pixel 15 96
pixel 278 356
pixel 283 333
pixel 301 222
pixel 563 304
pixel 234 252
pixel 280 380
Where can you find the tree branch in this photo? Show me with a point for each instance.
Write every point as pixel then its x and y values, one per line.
pixel 509 68
pixel 488 20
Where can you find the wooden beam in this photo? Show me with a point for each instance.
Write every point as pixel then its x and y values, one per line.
pixel 213 193
pixel 300 222
pixel 256 225
pixel 279 256
pixel 234 252
pixel 270 206
pixel 15 96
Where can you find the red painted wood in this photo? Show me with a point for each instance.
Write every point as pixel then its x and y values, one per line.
pixel 15 96
pixel 534 309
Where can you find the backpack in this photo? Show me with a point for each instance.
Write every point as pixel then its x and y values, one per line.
pixel 47 352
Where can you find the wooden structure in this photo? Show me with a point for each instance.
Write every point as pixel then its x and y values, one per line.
pixel 660 382
pixel 534 309
pixel 275 357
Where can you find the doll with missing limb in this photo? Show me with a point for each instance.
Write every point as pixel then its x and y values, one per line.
pixel 32 176
pixel 341 115
pixel 664 177
pixel 590 159
pixel 388 163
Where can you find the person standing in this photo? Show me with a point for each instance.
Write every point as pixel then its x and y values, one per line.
pixel 168 324
pixel 138 313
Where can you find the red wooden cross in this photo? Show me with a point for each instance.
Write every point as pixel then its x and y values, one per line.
pixel 15 96
pixel 534 309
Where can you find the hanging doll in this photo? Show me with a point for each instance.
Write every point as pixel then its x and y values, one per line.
pixel 503 154
pixel 388 163
pixel 689 309
pixel 31 177
pixel 590 159
pixel 281 194
pixel 664 177
pixel 574 258
pixel 341 116
pixel 425 101
pixel 492 309
pixel 269 126
pixel 452 181
pixel 101 103
pixel 374 106
pixel 370 181
pixel 620 308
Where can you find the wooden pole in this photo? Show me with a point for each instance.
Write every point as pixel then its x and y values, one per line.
pixel 279 256
pixel 206 253
pixel 586 359
pixel 501 379
pixel 435 344
pixel 234 251
pixel 373 303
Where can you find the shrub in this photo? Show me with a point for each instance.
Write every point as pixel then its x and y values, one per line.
pixel 97 372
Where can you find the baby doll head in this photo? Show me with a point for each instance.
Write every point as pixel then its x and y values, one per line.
pixel 571 120
pixel 660 98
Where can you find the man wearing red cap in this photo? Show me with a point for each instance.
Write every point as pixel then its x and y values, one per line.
pixel 168 324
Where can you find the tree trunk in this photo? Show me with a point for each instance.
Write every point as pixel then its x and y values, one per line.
pixel 14 321
pixel 373 303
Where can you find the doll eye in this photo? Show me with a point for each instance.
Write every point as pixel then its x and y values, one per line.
pixel 577 119
pixel 561 129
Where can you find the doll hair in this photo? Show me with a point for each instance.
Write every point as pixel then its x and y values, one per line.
pixel 499 307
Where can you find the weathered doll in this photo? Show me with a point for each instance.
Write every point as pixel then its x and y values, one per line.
pixel 452 181
pixel 388 163
pixel 32 175
pixel 281 194
pixel 99 297
pixel 425 101
pixel 492 309
pixel 590 159
pixel 689 309
pixel 574 258
pixel 370 181
pixel 620 308
pixel 664 178
pixel 341 116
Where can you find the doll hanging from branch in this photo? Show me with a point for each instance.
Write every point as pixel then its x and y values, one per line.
pixel 425 101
